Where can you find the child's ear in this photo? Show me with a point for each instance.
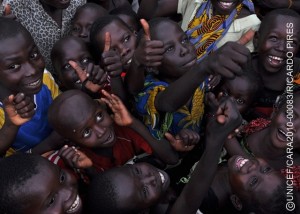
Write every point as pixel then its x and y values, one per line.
pixel 235 200
pixel 255 40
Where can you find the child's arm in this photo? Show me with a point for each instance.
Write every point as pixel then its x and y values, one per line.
pixel 161 148
pixel 227 61
pixel 112 65
pixel 227 119
pixel 149 9
pixel 18 110
pixel 233 147
pixel 149 53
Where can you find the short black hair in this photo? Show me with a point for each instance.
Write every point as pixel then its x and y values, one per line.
pixel 10 28
pixel 275 205
pixel 93 6
pixel 274 13
pixel 16 170
pixel 98 25
pixel 126 10
pixel 102 196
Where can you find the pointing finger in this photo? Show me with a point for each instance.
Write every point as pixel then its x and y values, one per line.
pixel 247 37
pixel 146 28
pixel 107 43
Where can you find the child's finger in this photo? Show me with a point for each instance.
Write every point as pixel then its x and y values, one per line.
pixel 247 37
pixel 7 10
pixel 146 28
pixel 107 42
pixel 81 73
pixel 170 138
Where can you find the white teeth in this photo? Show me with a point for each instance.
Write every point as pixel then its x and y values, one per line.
pixel 74 207
pixel 129 61
pixel 162 177
pixel 240 162
pixel 78 82
pixel 272 58
pixel 35 83
pixel 226 4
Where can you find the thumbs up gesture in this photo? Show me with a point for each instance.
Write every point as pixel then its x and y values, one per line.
pixel 110 59
pixel 149 52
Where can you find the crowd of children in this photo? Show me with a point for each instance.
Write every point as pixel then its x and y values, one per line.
pixel 149 107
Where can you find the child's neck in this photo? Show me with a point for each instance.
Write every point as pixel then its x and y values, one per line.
pixel 107 152
pixel 271 80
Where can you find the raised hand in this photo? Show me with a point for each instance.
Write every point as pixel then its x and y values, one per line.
pixel 110 59
pixel 229 59
pixel 226 119
pixel 121 116
pixel 19 108
pixel 93 77
pixel 149 52
pixel 184 141
pixel 75 158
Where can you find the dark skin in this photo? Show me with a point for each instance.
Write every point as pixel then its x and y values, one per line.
pixel 22 68
pixel 93 127
pixel 51 190
pixel 54 9
pixel 271 42
pixel 178 66
pixel 83 20
pixel 111 4
pixel 280 4
pixel 164 8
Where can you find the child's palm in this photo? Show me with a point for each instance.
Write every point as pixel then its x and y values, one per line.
pixel 121 115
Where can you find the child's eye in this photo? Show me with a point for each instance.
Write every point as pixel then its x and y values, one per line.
pixel 185 40
pixel 145 191
pixel 14 66
pixel 34 55
pixel 99 117
pixel 126 39
pixel 85 61
pixel 51 201
pixel 137 171
pixel 273 38
pixel 62 177
pixel 67 66
pixel 169 49
pixel 267 169
pixel 240 101
pixel 225 94
pixel 253 181
pixel 75 29
pixel 86 133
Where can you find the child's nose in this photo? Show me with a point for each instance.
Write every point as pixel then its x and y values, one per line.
pixel 99 130
pixel 83 33
pixel 29 69
pixel 183 50
pixel 124 51
pixel 149 179
pixel 281 46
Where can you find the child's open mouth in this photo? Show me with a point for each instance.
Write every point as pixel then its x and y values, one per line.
pixel 75 206
pixel 225 5
pixel 275 60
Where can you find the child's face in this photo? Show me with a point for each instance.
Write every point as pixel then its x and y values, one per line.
pixel 278 128
pixel 59 4
pixel 179 55
pixel 252 178
pixel 82 23
pixel 92 127
pixel 51 190
pixel 271 43
pixel 122 40
pixel 21 65
pixel 71 50
pixel 140 185
pixel 224 7
pixel 240 90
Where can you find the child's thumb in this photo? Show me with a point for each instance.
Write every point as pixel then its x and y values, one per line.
pixel 146 28
pixel 170 137
pixel 7 10
pixel 247 37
